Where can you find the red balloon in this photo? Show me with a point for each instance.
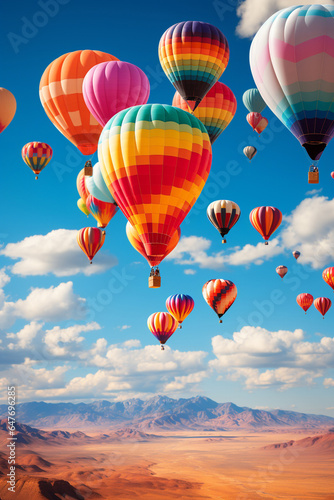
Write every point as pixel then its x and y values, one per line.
pixel 257 122
pixel 265 220
pixel 322 304
pixel 281 271
pixel 90 240
pixel 305 300
pixel 332 175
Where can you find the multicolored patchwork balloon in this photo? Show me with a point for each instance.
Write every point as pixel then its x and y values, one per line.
pixel 215 111
pixel 220 295
pixel 253 101
pixel 61 95
pixel 137 244
pixel 162 325
pixel 223 214
pixel 265 220
pixel 291 59
pixel 304 300
pixel 193 55
pixel 155 160
pixel 90 240
pixel 36 155
pixel 180 306
pixel 102 211
pixel 322 304
pixel 110 87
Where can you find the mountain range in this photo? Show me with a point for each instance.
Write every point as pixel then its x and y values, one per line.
pixel 162 413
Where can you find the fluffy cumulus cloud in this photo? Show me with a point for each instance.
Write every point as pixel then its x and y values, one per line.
pixel 253 13
pixel 55 253
pixel 310 229
pixel 193 250
pixel 263 358
pixel 45 304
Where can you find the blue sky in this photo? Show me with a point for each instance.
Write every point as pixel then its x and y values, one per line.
pixel 266 353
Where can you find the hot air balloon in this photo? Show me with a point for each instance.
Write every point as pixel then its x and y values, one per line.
pixel 112 86
pixel 220 295
pixel 162 325
pixel 296 254
pixel 90 240
pixel 250 152
pixel 62 98
pixel 265 220
pixel 155 160
pixel 332 175
pixel 291 59
pixel 328 276
pixel 263 123
pixel 281 271
pixel 180 306
pixel 254 119
pixel 82 206
pixel 81 185
pixel 102 211
pixel 253 101
pixel 137 244
pixel 193 55
pixel 223 214
pixel 215 111
pixel 7 108
pixel 97 187
pixel 36 155
pixel 322 304
pixel 304 300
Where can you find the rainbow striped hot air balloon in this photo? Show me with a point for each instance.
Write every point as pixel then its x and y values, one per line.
pixel 215 111
pixel 291 59
pixel 102 211
pixel 90 240
pixel 36 155
pixel 155 160
pixel 180 306
pixel 193 55
pixel 162 325
pixel 265 220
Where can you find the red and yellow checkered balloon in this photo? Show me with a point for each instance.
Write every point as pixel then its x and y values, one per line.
pixel 36 155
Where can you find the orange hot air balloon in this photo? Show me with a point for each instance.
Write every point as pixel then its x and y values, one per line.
pixel 322 304
pixel 102 211
pixel 265 220
pixel 7 108
pixel 81 185
pixel 220 295
pixel 304 300
pixel 90 240
pixel 328 276
pixel 257 122
pixel 155 160
pixel 62 97
pixel 162 325
pixel 281 271
pixel 137 244
pixel 215 111
pixel 261 125
pixel 36 155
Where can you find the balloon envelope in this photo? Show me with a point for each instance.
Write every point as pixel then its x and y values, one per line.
pixel 296 254
pixel 155 160
pixel 281 271
pixel 304 300
pixel 62 98
pixel 81 185
pixel 215 111
pixel 102 211
pixel 7 108
pixel 90 240
pixel 97 187
pixel 36 155
pixel 82 206
pixel 322 304
pixel 193 55
pixel 250 152
pixel 291 59
pixel 220 295
pixel 223 214
pixel 253 101
pixel 162 325
pixel 265 220
pixel 112 86
pixel 180 306
pixel 328 276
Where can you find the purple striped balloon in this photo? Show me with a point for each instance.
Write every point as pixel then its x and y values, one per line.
pixel 113 86
pixel 179 306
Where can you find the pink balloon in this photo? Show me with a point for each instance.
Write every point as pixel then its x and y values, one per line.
pixel 332 175
pixel 113 86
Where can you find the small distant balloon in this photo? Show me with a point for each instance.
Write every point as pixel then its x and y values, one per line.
pixel 36 155
pixel 281 271
pixel 162 325
pixel 322 304
pixel 253 101
pixel 90 240
pixel 250 152
pixel 304 300
pixel 223 214
pixel 332 175
pixel 296 254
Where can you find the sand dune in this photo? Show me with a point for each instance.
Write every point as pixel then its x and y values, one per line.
pixel 322 442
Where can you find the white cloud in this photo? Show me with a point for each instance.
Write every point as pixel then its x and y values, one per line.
pixel 310 228
pixel 263 358
pixel 57 253
pixel 125 327
pixel 313 192
pixel 25 336
pixel 253 13
pixel 190 271
pixel 329 382
pixel 45 304
pixel 64 341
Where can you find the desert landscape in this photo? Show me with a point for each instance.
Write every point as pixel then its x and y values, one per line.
pixel 258 460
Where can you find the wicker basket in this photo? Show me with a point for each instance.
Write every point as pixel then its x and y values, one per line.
pixel 313 177
pixel 154 281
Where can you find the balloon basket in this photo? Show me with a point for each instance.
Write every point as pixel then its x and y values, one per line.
pixel 88 170
pixel 36 178
pixel 220 321
pixel 223 240
pixel 154 281
pixel 162 347
pixel 180 326
pixel 266 243
pixel 313 177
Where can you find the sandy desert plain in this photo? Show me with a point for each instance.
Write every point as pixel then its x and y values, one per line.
pixel 174 465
